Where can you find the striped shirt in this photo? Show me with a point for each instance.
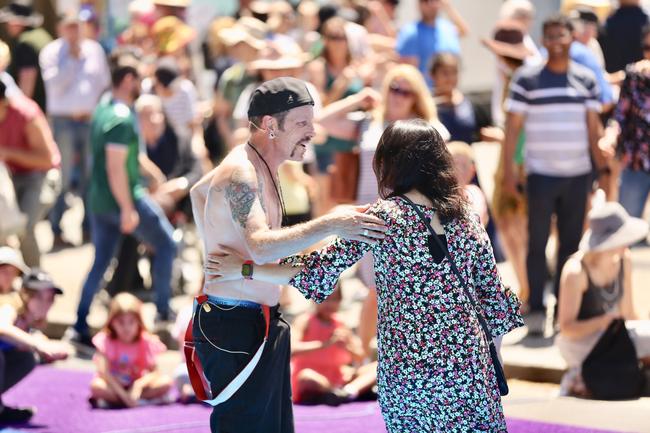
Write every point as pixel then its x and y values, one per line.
pixel 556 106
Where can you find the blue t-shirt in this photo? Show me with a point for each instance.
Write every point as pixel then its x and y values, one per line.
pixel 424 41
pixel 581 54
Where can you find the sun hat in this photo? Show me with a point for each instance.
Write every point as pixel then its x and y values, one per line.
pixel 39 280
pixel 23 11
pixel 277 56
pixel 248 30
pixel 508 40
pixel 610 226
pixel 9 256
pixel 172 34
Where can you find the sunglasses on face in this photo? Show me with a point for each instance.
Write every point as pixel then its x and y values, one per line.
pixel 646 47
pixel 399 91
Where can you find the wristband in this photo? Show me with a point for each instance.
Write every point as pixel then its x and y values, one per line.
pixel 247 270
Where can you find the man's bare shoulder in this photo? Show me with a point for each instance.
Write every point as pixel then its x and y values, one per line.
pixel 235 167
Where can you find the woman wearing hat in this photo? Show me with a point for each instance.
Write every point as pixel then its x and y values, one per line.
pixel 11 267
pixel 509 212
pixel 596 288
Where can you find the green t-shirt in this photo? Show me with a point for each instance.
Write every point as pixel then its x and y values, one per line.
pixel 113 122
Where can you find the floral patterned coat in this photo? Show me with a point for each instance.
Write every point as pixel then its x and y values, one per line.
pixel 435 373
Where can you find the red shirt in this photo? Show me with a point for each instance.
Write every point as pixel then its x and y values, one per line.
pixel 328 361
pixel 21 111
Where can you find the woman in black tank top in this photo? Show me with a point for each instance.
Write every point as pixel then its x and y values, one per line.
pixel 596 288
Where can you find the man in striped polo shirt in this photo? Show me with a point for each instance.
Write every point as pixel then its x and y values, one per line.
pixel 557 105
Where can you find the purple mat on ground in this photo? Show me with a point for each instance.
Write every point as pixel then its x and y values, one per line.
pixel 60 396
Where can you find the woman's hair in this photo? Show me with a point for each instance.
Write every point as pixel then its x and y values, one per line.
pixel 423 107
pixel 444 59
pixel 124 303
pixel 411 154
pixel 334 23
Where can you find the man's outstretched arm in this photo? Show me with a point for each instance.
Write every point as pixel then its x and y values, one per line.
pixel 266 245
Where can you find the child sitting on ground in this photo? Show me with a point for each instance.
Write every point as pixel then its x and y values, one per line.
pixel 18 316
pixel 126 359
pixel 465 173
pixel 323 351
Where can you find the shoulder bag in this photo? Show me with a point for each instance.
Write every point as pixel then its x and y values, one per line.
pixel 498 368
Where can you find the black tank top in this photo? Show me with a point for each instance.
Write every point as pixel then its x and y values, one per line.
pixel 596 300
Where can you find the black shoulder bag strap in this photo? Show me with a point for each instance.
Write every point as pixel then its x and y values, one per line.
pixel 498 368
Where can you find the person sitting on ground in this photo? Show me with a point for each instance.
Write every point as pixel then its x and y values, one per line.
pixel 126 359
pixel 596 288
pixel 323 350
pixel 465 172
pixel 18 316
pixel 11 267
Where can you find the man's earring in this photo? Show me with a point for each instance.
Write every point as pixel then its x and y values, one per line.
pixel 271 135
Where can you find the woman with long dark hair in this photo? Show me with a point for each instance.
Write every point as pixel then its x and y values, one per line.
pixel 434 367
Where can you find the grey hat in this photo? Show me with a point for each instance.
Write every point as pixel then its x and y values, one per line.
pixel 9 256
pixel 610 226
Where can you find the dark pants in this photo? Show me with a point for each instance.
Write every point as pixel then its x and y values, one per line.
pixel 154 228
pixel 566 197
pixel 73 138
pixel 263 403
pixel 14 366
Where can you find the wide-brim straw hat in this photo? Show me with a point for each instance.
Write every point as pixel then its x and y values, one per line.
pixel 21 10
pixel 171 34
pixel 508 40
pixel 278 56
pixel 610 227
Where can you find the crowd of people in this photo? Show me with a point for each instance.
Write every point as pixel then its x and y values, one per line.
pixel 117 118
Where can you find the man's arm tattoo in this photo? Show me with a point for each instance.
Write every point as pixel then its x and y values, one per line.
pixel 240 197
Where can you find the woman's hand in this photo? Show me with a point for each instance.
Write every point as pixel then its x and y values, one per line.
pixel 224 266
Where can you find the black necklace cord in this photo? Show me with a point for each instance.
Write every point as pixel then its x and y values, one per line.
pixel 276 186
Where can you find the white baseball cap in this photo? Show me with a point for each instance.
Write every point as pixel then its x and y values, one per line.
pixel 9 256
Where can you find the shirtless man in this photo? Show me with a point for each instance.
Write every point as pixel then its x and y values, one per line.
pixel 238 205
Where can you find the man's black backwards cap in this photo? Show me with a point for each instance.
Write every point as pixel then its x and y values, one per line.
pixel 278 95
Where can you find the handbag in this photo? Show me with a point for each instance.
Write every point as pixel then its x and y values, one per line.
pixel 344 177
pixel 611 371
pixel 498 368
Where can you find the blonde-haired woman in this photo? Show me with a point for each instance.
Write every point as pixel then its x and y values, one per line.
pixel 404 95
